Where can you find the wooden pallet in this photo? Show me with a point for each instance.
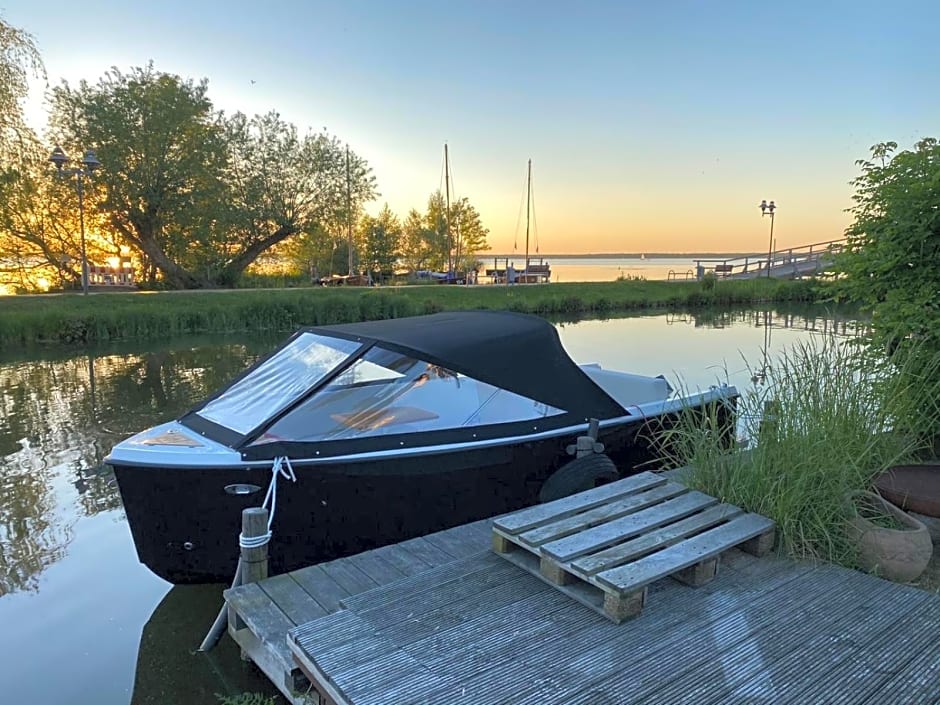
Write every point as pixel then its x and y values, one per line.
pixel 604 547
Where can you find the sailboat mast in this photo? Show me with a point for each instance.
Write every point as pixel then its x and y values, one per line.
pixel 349 242
pixel 528 209
pixel 450 267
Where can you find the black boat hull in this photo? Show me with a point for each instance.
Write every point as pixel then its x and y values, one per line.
pixel 185 525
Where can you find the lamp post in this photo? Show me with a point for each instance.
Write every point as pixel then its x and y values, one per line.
pixel 768 209
pixel 89 164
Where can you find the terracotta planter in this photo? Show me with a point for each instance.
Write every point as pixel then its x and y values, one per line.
pixel 900 555
pixel 913 488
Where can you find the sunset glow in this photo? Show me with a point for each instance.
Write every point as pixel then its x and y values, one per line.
pixel 651 128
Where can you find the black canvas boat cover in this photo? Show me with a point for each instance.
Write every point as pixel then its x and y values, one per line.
pixel 512 351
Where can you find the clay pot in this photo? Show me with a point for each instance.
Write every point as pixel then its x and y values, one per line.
pixel 900 555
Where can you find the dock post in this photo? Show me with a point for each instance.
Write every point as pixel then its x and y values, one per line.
pixel 254 560
pixel 254 556
pixel 252 567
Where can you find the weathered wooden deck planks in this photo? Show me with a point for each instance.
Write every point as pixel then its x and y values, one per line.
pixel 443 620
pixel 260 614
pixel 770 631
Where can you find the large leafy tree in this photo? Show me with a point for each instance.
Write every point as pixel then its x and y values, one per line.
pixel 162 148
pixel 891 261
pixel 283 185
pixel 201 196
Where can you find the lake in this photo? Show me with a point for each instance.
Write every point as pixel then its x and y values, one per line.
pixel 84 622
pixel 602 269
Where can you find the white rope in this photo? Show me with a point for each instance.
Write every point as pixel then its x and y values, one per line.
pixel 282 468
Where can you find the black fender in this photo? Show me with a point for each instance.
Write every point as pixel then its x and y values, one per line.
pixel 580 474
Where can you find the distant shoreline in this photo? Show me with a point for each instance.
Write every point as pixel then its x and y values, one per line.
pixel 628 255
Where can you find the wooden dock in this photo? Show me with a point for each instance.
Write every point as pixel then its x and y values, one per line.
pixel 444 620
pixel 261 614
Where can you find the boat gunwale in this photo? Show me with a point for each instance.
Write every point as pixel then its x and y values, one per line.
pixel 643 413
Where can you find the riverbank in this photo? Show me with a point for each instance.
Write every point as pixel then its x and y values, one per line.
pixel 73 318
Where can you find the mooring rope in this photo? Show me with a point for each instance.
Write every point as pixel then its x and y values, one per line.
pixel 282 468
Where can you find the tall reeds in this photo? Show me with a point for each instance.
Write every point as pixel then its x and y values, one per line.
pixel 27 320
pixel 828 417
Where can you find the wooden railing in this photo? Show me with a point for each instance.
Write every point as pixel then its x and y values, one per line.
pixel 807 260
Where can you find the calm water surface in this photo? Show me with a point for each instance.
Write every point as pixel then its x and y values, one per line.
pixel 604 269
pixel 81 621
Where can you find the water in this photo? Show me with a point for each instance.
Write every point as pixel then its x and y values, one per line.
pixel 604 269
pixel 83 622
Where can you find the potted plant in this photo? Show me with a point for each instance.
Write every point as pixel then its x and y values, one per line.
pixel 890 542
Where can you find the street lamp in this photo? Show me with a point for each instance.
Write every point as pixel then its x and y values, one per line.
pixel 768 209
pixel 89 164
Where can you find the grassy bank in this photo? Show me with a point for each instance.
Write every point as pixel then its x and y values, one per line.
pixel 73 318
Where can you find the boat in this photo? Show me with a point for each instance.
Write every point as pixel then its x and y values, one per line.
pixel 382 431
pixel 532 273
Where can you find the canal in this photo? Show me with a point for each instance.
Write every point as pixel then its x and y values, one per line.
pixel 83 622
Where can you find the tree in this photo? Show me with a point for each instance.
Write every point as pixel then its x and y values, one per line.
pixel 20 208
pixel 201 196
pixel 162 149
pixel 436 230
pixel 283 185
pixel 891 260
pixel 465 238
pixel 18 59
pixel 39 229
pixel 469 235
pixel 416 241
pixel 381 238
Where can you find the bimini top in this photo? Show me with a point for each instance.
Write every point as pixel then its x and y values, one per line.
pixel 425 380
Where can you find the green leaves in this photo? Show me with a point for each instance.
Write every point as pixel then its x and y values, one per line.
pixel 198 195
pixel 890 264
pixel 18 59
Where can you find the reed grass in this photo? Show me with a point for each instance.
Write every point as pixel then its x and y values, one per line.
pixel 829 417
pixel 72 318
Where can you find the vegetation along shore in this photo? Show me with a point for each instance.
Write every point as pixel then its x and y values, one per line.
pixel 34 320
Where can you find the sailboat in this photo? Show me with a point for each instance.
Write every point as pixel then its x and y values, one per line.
pixel 451 276
pixel 533 273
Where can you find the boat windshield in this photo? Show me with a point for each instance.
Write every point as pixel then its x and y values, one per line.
pixel 386 392
pixel 278 381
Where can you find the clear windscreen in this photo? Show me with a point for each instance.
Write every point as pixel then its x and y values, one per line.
pixel 386 392
pixel 278 382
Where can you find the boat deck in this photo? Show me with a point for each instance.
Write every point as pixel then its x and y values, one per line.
pixel 442 619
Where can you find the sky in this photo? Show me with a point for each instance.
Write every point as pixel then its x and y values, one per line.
pixel 651 126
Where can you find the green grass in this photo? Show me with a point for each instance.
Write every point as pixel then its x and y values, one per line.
pixel 73 318
pixel 829 418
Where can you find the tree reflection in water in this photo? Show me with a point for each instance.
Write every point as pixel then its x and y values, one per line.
pixel 61 414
